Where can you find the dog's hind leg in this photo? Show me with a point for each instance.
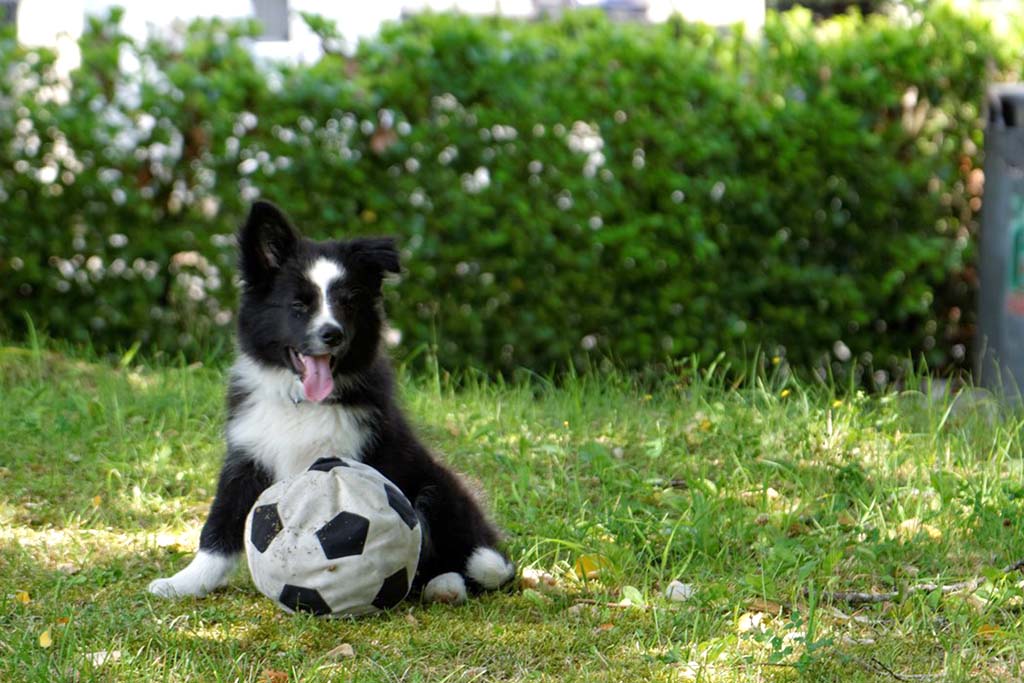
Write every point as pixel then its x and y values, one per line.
pixel 459 556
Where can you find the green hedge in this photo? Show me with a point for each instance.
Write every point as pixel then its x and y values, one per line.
pixel 563 192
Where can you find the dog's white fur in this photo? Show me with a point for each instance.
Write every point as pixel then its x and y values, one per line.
pixel 323 274
pixel 487 567
pixel 284 436
pixel 450 588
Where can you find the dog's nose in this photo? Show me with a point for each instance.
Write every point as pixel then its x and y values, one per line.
pixel 332 335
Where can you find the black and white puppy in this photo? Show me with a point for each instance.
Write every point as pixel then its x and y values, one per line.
pixel 310 381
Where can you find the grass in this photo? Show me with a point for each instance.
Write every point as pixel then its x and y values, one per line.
pixel 764 498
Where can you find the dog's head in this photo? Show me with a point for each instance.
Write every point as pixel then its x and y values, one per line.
pixel 311 307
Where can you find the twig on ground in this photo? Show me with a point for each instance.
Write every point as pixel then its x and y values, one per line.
pixel 615 605
pixel 1015 567
pixel 875 665
pixel 861 598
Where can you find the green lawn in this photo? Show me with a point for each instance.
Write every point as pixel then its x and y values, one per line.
pixel 764 499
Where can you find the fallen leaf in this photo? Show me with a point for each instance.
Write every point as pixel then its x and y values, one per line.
pixel 271 676
pixel 590 566
pixel 96 500
pixel 604 628
pixel 45 640
pixel 410 619
pixel 343 651
pixel 22 597
pixel 632 596
pixel 910 528
pixel 989 630
pixel 846 519
pixel 101 657
pixel 766 606
pixel 63 621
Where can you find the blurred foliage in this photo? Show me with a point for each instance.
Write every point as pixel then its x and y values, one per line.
pixel 563 191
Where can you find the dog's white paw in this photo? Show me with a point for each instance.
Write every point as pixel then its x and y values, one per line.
pixel 487 567
pixel 170 588
pixel 206 572
pixel 449 588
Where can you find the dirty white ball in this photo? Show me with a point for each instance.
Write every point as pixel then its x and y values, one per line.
pixel 337 539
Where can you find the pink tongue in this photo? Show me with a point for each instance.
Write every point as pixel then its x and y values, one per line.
pixel 317 382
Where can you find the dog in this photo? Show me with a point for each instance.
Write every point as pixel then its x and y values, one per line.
pixel 311 379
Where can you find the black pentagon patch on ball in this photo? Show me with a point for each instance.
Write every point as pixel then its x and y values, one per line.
pixel 400 504
pixel 395 588
pixel 303 600
pixel 266 524
pixel 327 464
pixel 344 535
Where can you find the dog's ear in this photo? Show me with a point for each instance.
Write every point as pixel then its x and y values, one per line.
pixel 377 255
pixel 265 242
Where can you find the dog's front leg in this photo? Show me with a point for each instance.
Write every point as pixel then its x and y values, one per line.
pixel 221 541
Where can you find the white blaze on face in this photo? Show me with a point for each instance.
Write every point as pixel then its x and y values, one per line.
pixel 323 274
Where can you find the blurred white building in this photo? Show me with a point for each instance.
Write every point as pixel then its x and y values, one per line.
pixel 58 23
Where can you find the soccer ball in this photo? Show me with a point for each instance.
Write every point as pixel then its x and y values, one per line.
pixel 336 539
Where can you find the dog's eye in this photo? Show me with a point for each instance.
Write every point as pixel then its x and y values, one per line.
pixel 299 306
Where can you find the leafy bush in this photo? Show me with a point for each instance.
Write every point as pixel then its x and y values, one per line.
pixel 562 190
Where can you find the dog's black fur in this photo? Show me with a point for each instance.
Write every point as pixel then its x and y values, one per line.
pixel 278 302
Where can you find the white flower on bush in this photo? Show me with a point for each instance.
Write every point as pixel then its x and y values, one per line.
pixel 502 133
pixel 248 166
pixel 209 206
pixel 717 191
pixel 445 102
pixel 247 120
pixel 585 138
pixel 639 159
pixel 46 174
pixel 478 181
pixel 447 155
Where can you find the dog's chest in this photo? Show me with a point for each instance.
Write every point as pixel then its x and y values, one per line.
pixel 286 438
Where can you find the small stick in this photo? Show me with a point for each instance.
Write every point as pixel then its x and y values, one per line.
pixel 614 605
pixel 859 598
pixel 874 664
